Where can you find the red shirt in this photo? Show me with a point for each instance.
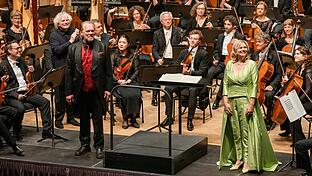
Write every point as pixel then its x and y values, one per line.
pixel 88 84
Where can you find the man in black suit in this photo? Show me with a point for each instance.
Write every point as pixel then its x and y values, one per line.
pixel 220 53
pixel 20 98
pixel 262 42
pixel 99 34
pixel 62 37
pixel 88 81
pixel 198 66
pixel 163 40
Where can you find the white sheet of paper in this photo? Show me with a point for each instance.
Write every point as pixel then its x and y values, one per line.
pixel 292 106
pixel 179 77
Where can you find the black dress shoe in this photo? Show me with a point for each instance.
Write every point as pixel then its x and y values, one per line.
pixel 18 151
pixel 190 125
pixel 125 124
pixel 73 122
pixel 216 104
pixel 167 121
pixel 59 124
pixel 99 153
pixel 82 150
pixel 284 134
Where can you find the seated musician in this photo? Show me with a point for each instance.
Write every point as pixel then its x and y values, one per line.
pixel 136 16
pixel 105 38
pixel 287 37
pixel 262 42
pixel 200 18
pixel 20 98
pixel 198 66
pixel 163 40
pixel 261 21
pixel 125 65
pixel 16 32
pixel 221 51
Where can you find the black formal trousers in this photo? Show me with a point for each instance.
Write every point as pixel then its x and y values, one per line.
pixel 191 93
pixel 36 100
pixel 302 155
pixel 7 115
pixel 61 106
pixel 217 72
pixel 90 103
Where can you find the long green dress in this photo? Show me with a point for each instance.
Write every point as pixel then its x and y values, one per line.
pixel 244 138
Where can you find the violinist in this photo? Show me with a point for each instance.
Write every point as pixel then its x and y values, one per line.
pixel 197 65
pixel 288 36
pixel 163 40
pixel 125 65
pixel 16 32
pixel 20 98
pixel 261 21
pixel 136 16
pixel 262 42
pixel 221 51
pixel 200 18
pixel 60 39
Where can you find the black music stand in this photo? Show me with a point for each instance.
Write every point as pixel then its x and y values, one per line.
pixel 52 80
pixel 36 50
pixel 119 24
pixel 217 15
pixel 178 10
pixel 176 50
pixel 151 73
pixel 49 11
pixel 210 35
pixel 144 37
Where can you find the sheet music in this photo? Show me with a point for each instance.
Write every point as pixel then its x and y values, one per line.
pixel 179 77
pixel 292 106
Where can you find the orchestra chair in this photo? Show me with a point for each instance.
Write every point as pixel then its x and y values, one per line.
pixel 216 82
pixel 31 108
pixel 308 117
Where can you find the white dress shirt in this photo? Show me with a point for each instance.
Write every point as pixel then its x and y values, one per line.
pixel 168 53
pixel 19 75
pixel 226 41
pixel 194 51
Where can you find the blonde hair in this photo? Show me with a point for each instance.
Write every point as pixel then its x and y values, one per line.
pixel 15 13
pixel 58 18
pixel 194 8
pixel 235 47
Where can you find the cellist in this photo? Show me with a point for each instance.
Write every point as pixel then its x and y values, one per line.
pixel 261 20
pixel 262 41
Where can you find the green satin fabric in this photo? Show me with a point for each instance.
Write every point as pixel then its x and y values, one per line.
pixel 250 141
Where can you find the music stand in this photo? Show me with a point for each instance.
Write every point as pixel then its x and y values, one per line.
pixel 49 11
pixel 274 13
pixel 51 80
pixel 248 11
pixel 144 37
pixel 36 50
pixel 178 10
pixel 120 24
pixel 176 50
pixel 210 35
pixel 217 15
pixel 149 74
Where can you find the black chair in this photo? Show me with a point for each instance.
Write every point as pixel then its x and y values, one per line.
pixel 308 117
pixel 31 108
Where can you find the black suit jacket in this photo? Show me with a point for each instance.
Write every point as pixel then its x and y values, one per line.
pixel 12 82
pixel 217 53
pixel 201 63
pixel 101 69
pixel 307 84
pixel 159 41
pixel 277 74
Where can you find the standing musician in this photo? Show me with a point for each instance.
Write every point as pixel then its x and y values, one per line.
pixel 23 96
pixel 262 42
pixel 136 16
pixel 125 66
pixel 200 18
pixel 261 21
pixel 88 81
pixel 221 51
pixel 105 38
pixel 195 63
pixel 288 35
pixel 163 40
pixel 60 39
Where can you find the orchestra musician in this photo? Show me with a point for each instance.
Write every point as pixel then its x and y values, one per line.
pixel 126 69
pixel 22 98
pixel 221 51
pixel 196 63
pixel 261 21
pixel 245 141
pixel 16 32
pixel 163 40
pixel 262 42
pixel 100 35
pixel 288 35
pixel 136 16
pixel 88 81
pixel 200 18
pixel 60 39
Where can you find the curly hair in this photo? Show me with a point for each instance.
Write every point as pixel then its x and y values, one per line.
pixel 194 8
pixel 195 31
pixel 139 9
pixel 231 19
pixel 58 18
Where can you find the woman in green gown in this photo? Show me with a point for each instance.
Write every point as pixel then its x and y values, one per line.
pixel 245 141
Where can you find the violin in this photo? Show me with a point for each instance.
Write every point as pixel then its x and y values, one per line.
pixel 124 65
pixel 3 86
pixel 187 59
pixel 31 88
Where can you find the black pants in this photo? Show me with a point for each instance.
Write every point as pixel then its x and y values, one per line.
pixel 192 93
pixel 217 72
pixel 302 155
pixel 7 115
pixel 61 105
pixel 89 106
pixel 36 100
